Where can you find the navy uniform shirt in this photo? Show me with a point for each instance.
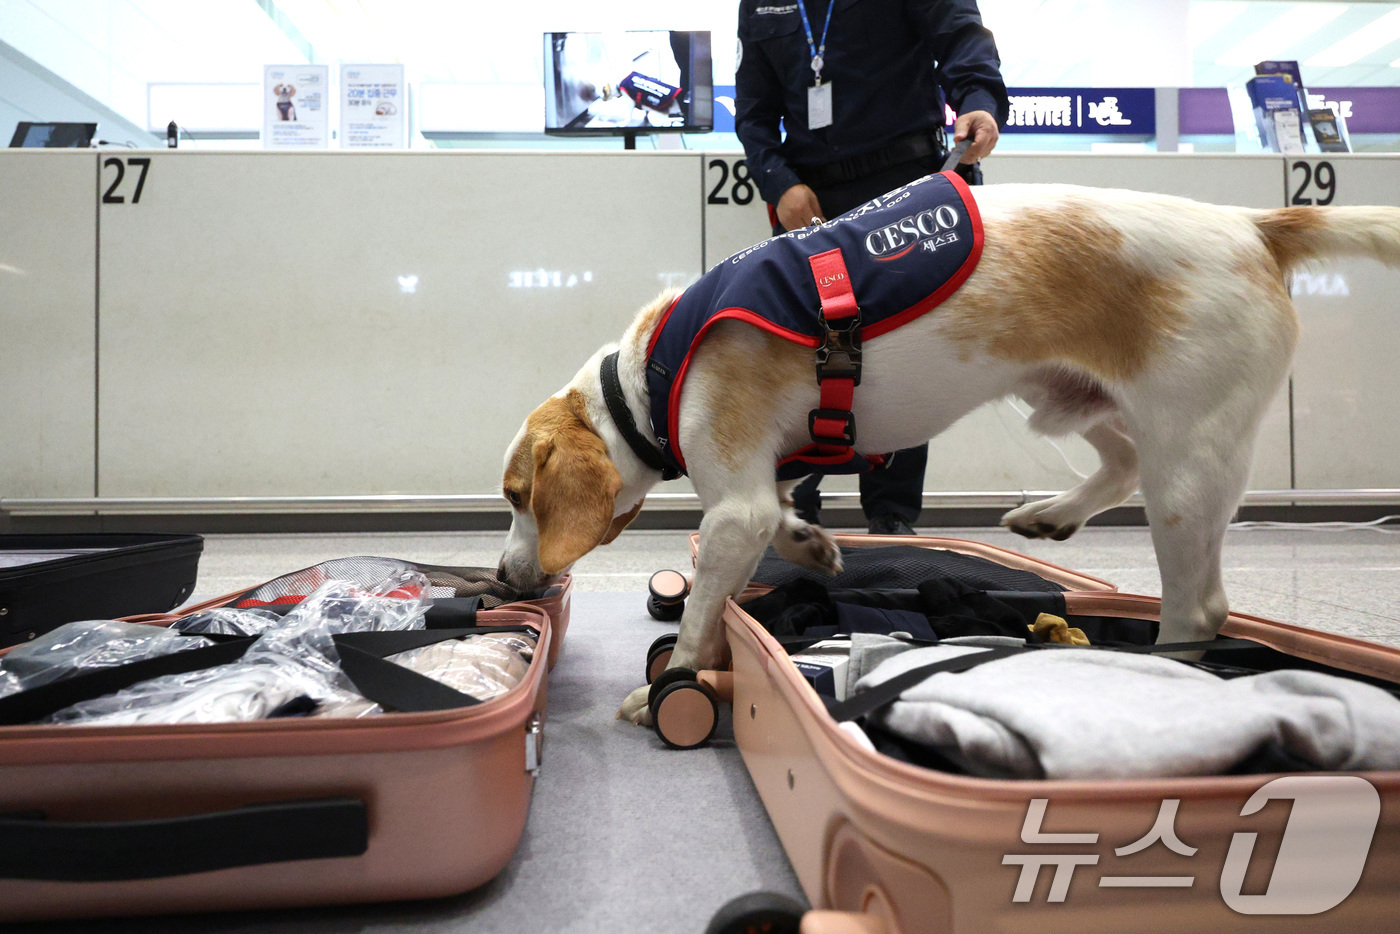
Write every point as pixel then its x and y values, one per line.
pixel 886 60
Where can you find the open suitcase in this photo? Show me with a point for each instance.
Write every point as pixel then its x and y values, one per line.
pixel 108 820
pixel 47 580
pixel 881 845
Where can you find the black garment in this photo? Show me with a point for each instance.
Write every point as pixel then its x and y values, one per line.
pixel 895 488
pixel 891 63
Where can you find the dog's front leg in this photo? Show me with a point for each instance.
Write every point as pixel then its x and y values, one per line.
pixel 733 535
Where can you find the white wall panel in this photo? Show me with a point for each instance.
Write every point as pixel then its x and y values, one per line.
pixel 1346 382
pixel 275 324
pixel 48 243
pixel 329 323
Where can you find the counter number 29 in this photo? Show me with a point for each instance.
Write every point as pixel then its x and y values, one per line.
pixel 741 192
pixel 1323 178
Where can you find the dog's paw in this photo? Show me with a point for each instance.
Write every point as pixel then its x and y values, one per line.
pixel 808 546
pixel 1042 519
pixel 635 707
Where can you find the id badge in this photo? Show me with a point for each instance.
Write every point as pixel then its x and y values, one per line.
pixel 819 106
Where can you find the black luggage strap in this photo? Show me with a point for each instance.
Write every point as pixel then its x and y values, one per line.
pixel 626 424
pixel 39 702
pixel 452 612
pixel 886 692
pixel 363 658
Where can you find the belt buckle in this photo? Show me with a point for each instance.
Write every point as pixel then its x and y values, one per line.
pixel 848 426
pixel 839 356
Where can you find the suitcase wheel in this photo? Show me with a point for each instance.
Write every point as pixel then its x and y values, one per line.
pixel 684 712
pixel 667 591
pixel 757 913
pixel 667 677
pixel 659 655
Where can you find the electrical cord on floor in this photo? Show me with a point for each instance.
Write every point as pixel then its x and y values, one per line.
pixel 1376 524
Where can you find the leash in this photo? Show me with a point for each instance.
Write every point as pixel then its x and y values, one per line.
pixel 955 157
pixel 622 417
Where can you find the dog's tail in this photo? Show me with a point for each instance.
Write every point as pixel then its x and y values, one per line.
pixel 1297 235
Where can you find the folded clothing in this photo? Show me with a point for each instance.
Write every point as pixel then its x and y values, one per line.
pixel 1073 713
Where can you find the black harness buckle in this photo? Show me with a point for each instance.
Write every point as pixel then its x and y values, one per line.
pixel 839 356
pixel 848 429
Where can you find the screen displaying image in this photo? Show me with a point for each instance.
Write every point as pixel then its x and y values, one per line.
pixel 53 135
pixel 612 82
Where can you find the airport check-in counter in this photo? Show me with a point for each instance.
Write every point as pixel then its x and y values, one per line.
pixel 264 332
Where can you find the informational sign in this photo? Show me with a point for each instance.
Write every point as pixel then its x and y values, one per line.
pixel 295 103
pixel 1096 111
pixel 373 107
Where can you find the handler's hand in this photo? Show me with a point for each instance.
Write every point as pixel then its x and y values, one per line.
pixel 798 206
pixel 982 127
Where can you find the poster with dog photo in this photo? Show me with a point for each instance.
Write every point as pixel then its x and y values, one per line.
pixel 373 107
pixel 295 103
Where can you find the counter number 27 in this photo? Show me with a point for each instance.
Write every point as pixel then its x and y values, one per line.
pixel 110 196
pixel 741 192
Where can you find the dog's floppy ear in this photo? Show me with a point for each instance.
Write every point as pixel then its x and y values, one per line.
pixel 622 522
pixel 574 491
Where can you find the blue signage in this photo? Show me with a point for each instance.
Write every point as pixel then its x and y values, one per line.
pixel 1096 111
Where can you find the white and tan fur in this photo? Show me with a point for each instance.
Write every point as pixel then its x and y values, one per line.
pixel 1157 328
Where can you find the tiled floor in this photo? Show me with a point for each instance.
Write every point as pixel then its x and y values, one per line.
pixel 1340 581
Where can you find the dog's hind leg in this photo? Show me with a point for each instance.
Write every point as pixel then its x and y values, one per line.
pixel 1066 401
pixel 1060 516
pixel 802 543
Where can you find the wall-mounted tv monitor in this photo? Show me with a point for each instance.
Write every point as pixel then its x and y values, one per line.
pixel 642 81
pixel 52 135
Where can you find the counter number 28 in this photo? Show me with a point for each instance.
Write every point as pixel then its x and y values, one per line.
pixel 741 192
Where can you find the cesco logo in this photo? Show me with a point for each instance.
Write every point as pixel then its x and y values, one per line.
pixel 899 238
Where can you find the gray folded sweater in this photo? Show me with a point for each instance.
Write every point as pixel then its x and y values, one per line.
pixel 1078 713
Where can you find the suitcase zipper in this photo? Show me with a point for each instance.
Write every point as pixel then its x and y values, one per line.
pixel 534 744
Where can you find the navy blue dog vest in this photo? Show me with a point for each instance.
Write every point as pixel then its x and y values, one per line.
pixel 828 287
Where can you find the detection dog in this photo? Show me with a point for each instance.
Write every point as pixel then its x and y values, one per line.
pixel 1156 327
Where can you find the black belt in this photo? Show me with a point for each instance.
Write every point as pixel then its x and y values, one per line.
pixel 907 149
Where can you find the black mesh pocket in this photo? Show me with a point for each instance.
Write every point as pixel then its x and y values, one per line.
pixel 444 582
pixel 905 566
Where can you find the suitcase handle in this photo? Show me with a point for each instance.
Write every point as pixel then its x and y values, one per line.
pixel 34 848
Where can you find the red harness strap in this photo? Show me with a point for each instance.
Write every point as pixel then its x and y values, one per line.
pixel 832 426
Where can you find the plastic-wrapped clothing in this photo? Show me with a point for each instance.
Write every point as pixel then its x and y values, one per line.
pixel 1090 714
pixel 76 647
pixel 297 659
pixel 235 692
pixel 228 622
pixel 482 666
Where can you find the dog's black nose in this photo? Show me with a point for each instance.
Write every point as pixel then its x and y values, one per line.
pixel 501 571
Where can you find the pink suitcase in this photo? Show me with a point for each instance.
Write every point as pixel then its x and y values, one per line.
pixel 99 821
pixel 884 846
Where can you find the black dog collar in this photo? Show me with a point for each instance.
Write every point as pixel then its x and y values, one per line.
pixel 622 417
